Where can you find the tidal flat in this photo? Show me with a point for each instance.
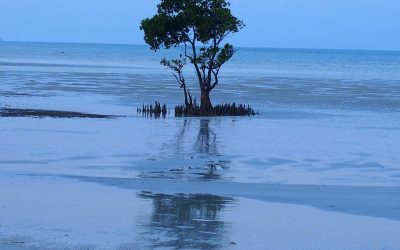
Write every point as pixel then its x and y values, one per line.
pixel 317 169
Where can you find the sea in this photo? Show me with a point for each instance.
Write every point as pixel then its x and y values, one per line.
pixel 297 78
pixel 338 100
pixel 319 166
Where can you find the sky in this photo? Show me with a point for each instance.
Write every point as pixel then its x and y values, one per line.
pixel 320 24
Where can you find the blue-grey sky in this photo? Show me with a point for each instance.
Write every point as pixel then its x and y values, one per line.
pixel 341 24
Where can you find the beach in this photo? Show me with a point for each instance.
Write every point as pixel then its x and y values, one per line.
pixel 317 169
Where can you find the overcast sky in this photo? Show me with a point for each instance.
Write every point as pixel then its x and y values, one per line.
pixel 340 24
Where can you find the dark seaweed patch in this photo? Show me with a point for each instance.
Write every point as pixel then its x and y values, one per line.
pixel 40 113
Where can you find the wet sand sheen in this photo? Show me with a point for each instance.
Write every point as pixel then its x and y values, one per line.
pixel 49 212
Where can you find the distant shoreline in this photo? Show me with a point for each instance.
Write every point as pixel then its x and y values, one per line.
pixel 239 47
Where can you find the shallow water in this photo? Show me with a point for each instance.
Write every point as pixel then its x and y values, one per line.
pixel 335 150
pixel 324 148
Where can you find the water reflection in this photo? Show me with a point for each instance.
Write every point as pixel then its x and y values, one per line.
pixel 186 221
pixel 194 154
pixel 206 142
pixel 181 136
pixel 205 147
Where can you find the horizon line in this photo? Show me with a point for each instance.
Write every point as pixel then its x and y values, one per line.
pixel 244 47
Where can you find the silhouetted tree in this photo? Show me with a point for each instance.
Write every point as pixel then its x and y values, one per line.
pixel 201 26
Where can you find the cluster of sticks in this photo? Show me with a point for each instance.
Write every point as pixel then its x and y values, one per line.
pixel 226 109
pixel 157 110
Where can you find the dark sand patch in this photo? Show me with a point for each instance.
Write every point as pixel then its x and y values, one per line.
pixel 12 94
pixel 41 113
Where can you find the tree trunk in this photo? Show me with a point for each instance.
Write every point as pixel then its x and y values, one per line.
pixel 205 105
pixel 186 95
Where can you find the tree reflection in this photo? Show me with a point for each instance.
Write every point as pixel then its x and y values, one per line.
pixel 194 154
pixel 186 221
pixel 180 137
pixel 206 142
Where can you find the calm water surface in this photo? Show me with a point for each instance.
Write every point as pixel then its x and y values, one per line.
pixel 328 117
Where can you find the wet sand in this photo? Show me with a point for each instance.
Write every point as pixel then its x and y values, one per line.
pixel 125 183
pixel 64 213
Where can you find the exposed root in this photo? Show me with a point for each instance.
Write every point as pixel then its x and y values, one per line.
pixel 157 110
pixel 219 110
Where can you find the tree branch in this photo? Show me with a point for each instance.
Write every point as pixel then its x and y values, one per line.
pixel 216 80
pixel 194 61
pixel 211 63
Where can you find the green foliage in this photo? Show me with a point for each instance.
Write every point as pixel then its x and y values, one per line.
pixel 180 21
pixel 176 65
pixel 215 57
pixel 201 27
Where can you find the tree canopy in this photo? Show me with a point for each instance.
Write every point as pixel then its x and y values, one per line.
pixel 201 27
